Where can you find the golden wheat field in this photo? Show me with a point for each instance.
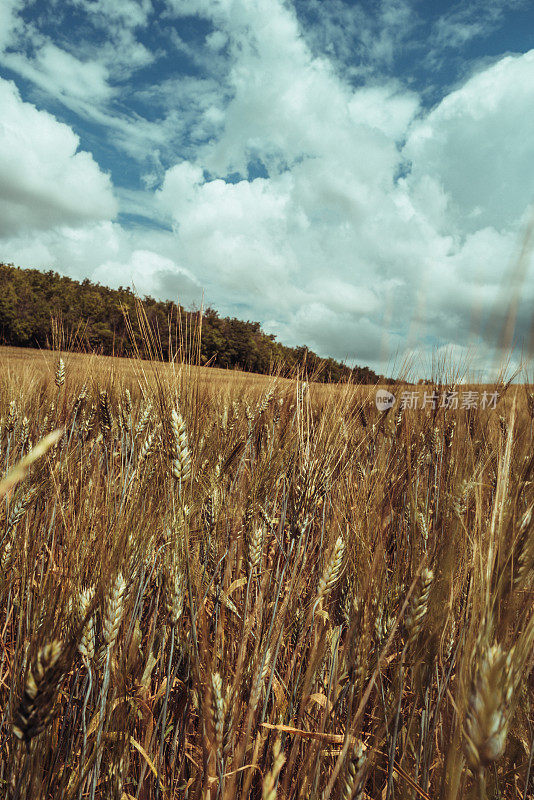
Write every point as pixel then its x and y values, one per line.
pixel 221 586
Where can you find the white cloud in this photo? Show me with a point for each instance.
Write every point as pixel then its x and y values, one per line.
pixel 82 87
pixel 304 240
pixel 150 273
pixel 362 40
pixel 472 20
pixel 140 203
pixel 62 74
pixel 121 56
pixel 329 233
pixel 387 108
pixel 476 147
pixel 129 13
pixel 44 178
pixel 192 110
pixel 108 254
pixel 87 73
pixel 343 335
pixel 72 251
pixel 9 22
pixel 234 234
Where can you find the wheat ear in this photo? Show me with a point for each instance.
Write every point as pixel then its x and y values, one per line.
pixel 332 570
pixel 114 611
pixel 60 373
pixel 40 686
pixel 418 608
pixel 86 645
pixel 218 710
pixel 255 548
pixel 487 718
pixel 175 594
pixel 353 783
pixel 181 464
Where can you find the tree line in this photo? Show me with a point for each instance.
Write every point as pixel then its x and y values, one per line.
pixel 36 305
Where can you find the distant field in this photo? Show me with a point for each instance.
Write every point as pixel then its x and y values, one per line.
pixel 81 365
pixel 81 368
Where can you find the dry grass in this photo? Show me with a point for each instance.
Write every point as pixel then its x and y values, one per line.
pixel 226 586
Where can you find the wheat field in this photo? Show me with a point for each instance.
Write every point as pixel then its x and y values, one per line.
pixel 216 585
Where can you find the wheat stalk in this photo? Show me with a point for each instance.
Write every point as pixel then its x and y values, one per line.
pixel 271 779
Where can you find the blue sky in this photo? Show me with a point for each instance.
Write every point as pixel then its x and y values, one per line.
pixel 358 176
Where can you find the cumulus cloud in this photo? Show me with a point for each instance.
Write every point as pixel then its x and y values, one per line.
pixel 477 148
pixel 44 178
pixel 332 230
pixel 73 251
pixel 108 254
pixel 304 239
pixel 150 273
